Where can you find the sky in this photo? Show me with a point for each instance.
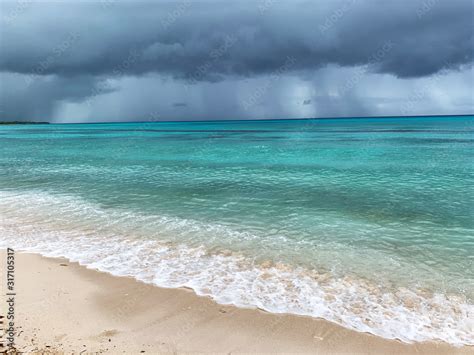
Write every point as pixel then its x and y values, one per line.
pixel 112 60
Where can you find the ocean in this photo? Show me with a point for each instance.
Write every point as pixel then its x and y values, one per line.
pixel 367 223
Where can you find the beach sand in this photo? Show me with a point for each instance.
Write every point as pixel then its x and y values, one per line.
pixel 64 307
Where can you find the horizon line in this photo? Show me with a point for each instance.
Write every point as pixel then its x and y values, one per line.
pixel 241 120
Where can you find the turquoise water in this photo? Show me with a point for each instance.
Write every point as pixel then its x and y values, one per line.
pixel 365 222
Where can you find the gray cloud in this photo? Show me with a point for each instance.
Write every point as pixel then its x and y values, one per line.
pixel 135 39
pixel 180 104
pixel 22 99
pixel 78 58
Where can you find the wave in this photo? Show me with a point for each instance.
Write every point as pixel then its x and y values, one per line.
pixel 106 240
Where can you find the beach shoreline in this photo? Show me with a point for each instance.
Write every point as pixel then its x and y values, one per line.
pixel 62 306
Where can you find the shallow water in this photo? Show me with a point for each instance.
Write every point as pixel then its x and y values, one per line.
pixel 365 222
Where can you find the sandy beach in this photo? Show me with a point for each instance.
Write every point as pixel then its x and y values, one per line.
pixel 245 177
pixel 64 307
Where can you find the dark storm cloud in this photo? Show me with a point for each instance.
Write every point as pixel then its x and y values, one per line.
pixel 125 60
pixel 22 99
pixel 212 40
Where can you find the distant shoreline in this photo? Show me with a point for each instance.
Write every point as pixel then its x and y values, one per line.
pixel 20 122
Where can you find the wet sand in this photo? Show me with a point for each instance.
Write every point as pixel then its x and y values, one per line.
pixel 64 307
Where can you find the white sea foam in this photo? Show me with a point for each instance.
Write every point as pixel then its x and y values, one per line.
pixel 102 239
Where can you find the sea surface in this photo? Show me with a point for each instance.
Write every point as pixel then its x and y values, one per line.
pixel 367 223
